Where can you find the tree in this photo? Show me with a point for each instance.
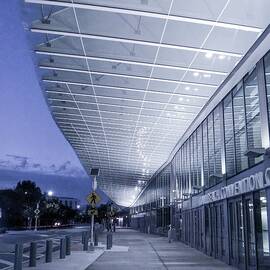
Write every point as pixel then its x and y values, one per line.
pixel 29 195
pixel 12 210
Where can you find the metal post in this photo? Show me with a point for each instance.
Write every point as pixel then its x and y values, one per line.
pixel 62 248
pixel 109 240
pixel 83 236
pixel 18 257
pixel 96 239
pixel 33 254
pixel 92 234
pixel 170 234
pixel 85 241
pixel 94 186
pixel 68 245
pixel 37 211
pixel 49 248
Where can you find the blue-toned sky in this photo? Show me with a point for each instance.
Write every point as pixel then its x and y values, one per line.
pixel 30 141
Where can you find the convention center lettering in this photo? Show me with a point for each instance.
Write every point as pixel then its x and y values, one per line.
pixel 253 182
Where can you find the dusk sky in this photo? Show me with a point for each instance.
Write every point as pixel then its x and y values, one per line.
pixel 30 139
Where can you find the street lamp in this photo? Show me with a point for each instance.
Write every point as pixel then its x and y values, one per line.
pixel 50 193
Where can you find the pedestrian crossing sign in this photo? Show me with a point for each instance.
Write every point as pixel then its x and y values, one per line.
pixel 93 211
pixel 93 198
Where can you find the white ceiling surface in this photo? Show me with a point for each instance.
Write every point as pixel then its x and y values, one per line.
pixel 124 79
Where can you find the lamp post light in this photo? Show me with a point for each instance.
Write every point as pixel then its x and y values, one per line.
pixel 50 193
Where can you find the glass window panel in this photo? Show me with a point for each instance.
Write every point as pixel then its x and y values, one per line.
pixel 253 115
pixel 267 79
pixel 188 168
pixel 195 159
pixel 239 128
pixel 199 149
pixel 205 154
pixel 217 133
pixel 211 149
pixel 229 136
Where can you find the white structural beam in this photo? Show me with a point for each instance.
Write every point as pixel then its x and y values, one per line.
pixel 128 89
pixel 122 98
pixel 121 126
pixel 129 62
pixel 121 113
pixel 122 75
pixel 133 41
pixel 149 14
pixel 122 106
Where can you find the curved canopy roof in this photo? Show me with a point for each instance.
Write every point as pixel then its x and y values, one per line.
pixel 125 79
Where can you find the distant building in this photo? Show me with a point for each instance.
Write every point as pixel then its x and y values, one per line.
pixel 70 202
pixel 67 201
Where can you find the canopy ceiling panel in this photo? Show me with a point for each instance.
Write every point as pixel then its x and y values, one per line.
pixel 125 79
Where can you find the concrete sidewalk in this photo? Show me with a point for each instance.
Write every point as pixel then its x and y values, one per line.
pixel 78 260
pixel 148 252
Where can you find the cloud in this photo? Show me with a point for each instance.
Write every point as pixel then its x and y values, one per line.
pixel 63 167
pixel 22 163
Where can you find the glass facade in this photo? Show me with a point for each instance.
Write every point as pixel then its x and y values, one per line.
pixel 229 135
pixel 227 142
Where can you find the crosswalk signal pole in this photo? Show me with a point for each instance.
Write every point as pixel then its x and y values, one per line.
pixel 92 216
pixel 94 173
pixel 94 187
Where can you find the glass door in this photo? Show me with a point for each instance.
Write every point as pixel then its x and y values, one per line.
pixel 220 225
pixel 214 242
pixel 251 260
pixel 237 236
pixel 262 228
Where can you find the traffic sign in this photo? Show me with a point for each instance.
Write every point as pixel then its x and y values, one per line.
pixel 93 198
pixel 93 211
pixel 37 211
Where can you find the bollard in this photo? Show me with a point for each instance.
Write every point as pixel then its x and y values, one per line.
pixel 18 257
pixel 33 254
pixel 68 245
pixel 96 239
pixel 62 248
pixel 49 248
pixel 170 235
pixel 109 240
pixel 83 236
pixel 85 242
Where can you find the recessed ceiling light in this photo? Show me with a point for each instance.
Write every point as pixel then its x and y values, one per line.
pixel 195 74
pixel 176 107
pixel 207 75
pixel 183 108
pixel 208 55
pixel 168 114
pixel 188 99
pixel 196 89
pixel 180 99
pixel 187 88
pixel 221 56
